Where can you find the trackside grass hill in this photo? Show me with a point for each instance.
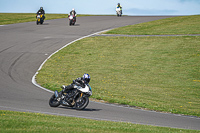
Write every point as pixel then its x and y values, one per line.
pixel 156 73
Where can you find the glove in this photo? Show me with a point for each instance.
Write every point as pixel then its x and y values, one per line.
pixel 74 81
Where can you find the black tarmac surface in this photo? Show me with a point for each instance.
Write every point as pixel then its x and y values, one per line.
pixel 25 46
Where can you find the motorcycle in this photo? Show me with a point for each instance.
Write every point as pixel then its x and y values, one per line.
pixel 77 97
pixel 72 20
pixel 119 12
pixel 40 18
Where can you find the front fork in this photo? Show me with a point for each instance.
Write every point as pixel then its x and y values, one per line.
pixel 79 99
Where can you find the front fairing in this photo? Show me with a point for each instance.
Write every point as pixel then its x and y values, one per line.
pixel 38 16
pixel 71 17
pixel 87 89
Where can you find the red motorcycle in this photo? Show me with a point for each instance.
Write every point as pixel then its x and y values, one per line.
pixel 72 20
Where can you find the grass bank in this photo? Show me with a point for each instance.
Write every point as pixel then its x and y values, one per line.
pixel 170 26
pixel 11 18
pixel 34 122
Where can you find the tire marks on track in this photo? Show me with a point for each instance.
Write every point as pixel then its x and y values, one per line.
pixel 6 49
pixel 11 67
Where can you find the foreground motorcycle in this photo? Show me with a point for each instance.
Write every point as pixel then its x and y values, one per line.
pixel 77 97
pixel 119 12
pixel 40 19
pixel 72 20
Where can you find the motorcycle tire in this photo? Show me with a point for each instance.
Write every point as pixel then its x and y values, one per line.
pixel 81 103
pixel 53 101
pixel 37 22
pixel 41 22
pixel 70 22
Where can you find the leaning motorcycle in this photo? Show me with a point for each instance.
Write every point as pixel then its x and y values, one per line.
pixel 77 97
pixel 118 11
pixel 72 20
pixel 39 19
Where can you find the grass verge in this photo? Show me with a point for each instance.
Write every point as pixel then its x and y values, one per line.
pixel 35 122
pixel 170 26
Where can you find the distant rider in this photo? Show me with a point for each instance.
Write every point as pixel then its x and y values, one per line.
pixel 119 6
pixel 81 81
pixel 41 11
pixel 73 12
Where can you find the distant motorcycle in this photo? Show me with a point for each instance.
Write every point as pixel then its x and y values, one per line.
pixel 118 11
pixel 72 20
pixel 40 18
pixel 77 97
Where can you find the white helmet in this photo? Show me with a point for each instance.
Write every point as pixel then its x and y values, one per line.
pixel 73 9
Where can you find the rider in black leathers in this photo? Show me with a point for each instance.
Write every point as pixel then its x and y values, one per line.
pixel 41 11
pixel 73 12
pixel 81 81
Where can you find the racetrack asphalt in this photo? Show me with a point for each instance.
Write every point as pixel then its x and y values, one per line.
pixel 25 46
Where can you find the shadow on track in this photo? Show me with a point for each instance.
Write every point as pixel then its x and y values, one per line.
pixel 86 109
pixel 75 25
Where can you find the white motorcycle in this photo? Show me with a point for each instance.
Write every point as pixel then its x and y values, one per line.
pixel 77 97
pixel 72 20
pixel 118 11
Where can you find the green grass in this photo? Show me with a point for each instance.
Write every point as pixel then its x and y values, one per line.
pixel 159 73
pixel 171 26
pixel 35 122
pixel 11 18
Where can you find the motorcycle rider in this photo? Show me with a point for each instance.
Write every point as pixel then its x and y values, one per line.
pixel 41 11
pixel 119 6
pixel 73 12
pixel 81 81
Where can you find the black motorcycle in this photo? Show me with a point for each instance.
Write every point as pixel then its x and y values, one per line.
pixel 77 97
pixel 40 18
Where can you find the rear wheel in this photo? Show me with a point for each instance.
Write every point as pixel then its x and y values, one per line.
pixel 81 103
pixel 53 102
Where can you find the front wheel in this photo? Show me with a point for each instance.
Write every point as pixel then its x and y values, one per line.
pixel 81 103
pixel 41 22
pixel 53 102
pixel 70 22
